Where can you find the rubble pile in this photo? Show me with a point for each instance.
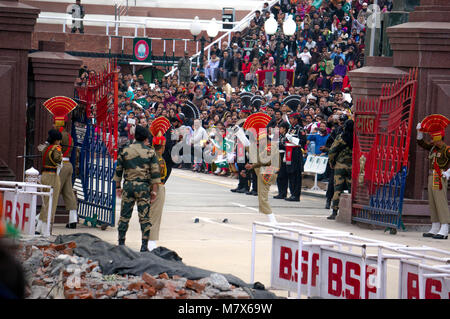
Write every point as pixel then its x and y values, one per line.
pixel 53 271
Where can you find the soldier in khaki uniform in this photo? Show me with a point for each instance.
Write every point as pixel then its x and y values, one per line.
pixel 60 107
pixel 65 175
pixel 138 165
pixel 51 161
pixel 439 175
pixel 158 128
pixel 265 162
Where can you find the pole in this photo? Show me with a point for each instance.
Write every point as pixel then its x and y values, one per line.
pixel 277 77
pixel 202 52
pixel 373 29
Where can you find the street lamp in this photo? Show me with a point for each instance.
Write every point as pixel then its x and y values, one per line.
pixel 271 26
pixel 212 31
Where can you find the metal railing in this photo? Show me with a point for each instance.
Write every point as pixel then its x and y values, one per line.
pixel 239 26
pixel 109 23
pixel 33 189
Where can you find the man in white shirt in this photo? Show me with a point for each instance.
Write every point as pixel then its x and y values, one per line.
pixel 305 56
pixel 310 44
pixel 198 139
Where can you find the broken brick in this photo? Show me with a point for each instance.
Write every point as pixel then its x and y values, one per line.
pixel 38 282
pixel 111 292
pixel 135 285
pixel 60 247
pixel 164 276
pixel 149 279
pixel 150 291
pixel 71 245
pixel 190 284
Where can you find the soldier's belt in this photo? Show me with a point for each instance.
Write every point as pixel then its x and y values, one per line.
pixel 138 180
pixel 49 170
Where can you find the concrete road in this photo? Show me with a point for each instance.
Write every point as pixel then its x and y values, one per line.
pixel 226 247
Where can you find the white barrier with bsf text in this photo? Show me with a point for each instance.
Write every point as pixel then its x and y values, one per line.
pixel 335 264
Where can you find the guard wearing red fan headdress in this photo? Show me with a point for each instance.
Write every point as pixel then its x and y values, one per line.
pixel 439 158
pixel 265 162
pixel 60 107
pixel 158 128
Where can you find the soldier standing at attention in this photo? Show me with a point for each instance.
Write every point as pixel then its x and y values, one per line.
pixel 60 107
pixel 51 161
pixel 296 141
pixel 439 175
pixel 340 159
pixel 138 165
pixel 184 67
pixel 158 128
pixel 265 161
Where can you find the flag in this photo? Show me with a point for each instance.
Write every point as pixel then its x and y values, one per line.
pixel 143 103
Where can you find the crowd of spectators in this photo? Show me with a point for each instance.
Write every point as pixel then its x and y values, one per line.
pixel 328 44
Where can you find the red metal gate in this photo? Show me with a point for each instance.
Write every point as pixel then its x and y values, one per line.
pixel 380 154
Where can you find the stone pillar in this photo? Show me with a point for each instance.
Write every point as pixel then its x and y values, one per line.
pixel 17 22
pixel 52 73
pixel 367 81
pixel 424 42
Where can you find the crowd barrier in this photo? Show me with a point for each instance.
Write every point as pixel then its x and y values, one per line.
pixel 18 201
pixel 340 265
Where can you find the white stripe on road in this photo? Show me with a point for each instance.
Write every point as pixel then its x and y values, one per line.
pixel 245 206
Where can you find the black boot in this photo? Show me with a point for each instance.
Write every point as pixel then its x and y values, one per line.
pixel 328 204
pixel 333 215
pixel 121 241
pixel 280 197
pixel 144 246
pixel 71 225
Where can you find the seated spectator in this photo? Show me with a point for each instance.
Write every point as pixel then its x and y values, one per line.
pixel 212 68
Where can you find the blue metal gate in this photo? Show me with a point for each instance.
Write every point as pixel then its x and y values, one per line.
pixel 95 135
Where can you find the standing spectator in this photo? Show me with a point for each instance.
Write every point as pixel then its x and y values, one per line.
pixel 226 66
pixel 77 12
pixel 184 66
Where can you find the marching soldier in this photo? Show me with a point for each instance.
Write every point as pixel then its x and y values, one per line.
pixel 60 107
pixel 158 129
pixel 138 165
pixel 282 179
pixel 340 159
pixel 265 168
pixel 51 160
pixel 439 158
pixel 296 141
pixel 65 175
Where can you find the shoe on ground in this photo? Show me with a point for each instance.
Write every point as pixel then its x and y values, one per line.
pixel 279 197
pixel 242 191
pixel 71 225
pixel 292 199
pixel 333 215
pixel 429 234
pixel 234 190
pixel 254 193
pixel 439 236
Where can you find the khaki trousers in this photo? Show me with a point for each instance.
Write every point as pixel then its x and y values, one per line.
pixel 437 199
pixel 263 192
pixel 65 176
pixel 156 209
pixel 51 179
